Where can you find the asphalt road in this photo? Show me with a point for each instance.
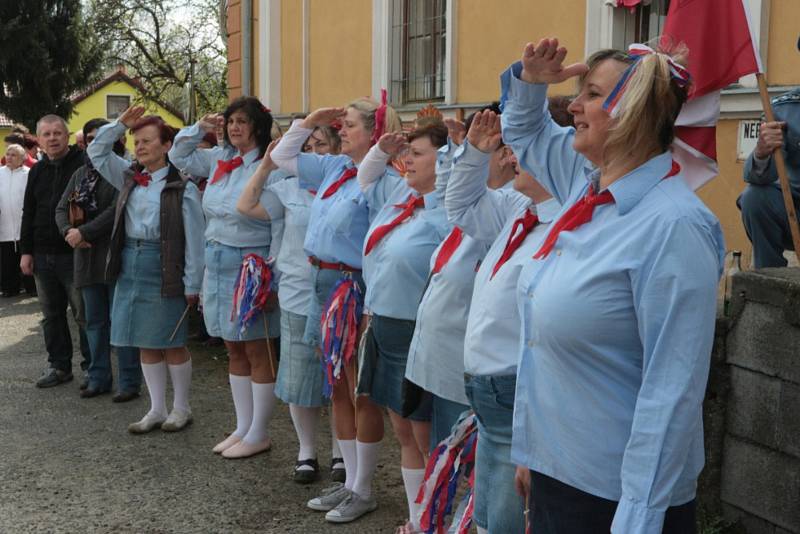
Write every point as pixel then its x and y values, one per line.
pixel 68 464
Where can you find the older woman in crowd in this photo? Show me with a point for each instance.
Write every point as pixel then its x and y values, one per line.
pixel 618 303
pixel 230 236
pixel 156 255
pixel 13 179
pixel 338 224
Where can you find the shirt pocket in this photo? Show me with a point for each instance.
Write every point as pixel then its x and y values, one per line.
pixel 343 215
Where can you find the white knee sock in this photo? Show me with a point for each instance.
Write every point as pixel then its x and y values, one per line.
pixel 367 461
pixel 348 448
pixel 242 393
pixel 412 479
pixel 181 380
pixel 263 407
pixel 155 376
pixel 305 424
pixel 335 450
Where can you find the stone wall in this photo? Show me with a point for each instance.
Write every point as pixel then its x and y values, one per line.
pixel 757 463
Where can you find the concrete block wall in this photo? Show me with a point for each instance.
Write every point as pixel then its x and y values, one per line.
pixel 760 471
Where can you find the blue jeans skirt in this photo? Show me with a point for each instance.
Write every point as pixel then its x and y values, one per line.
pixel 497 507
pixel 382 366
pixel 300 375
pixel 140 316
pixel 219 281
pixel 324 282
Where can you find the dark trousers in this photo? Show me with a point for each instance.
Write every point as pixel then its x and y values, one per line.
pixel 767 225
pixel 53 275
pixel 11 279
pixel 556 508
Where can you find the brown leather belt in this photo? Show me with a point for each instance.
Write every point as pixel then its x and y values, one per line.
pixel 319 264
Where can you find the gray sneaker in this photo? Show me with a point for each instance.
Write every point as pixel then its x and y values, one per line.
pixel 53 377
pixel 351 509
pixel 330 498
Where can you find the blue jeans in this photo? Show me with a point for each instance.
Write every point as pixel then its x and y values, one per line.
pixel 97 302
pixel 498 508
pixel 767 225
pixel 444 415
pixel 53 276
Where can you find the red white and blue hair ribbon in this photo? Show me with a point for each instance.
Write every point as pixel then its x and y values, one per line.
pixel 380 119
pixel 339 324
pixel 454 456
pixel 636 52
pixel 253 286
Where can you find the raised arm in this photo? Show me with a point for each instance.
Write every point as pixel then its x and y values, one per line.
pixel 291 144
pixel 470 204
pixel 250 201
pixel 675 301
pixel 194 228
pixel 109 165
pixel 185 154
pixel 542 147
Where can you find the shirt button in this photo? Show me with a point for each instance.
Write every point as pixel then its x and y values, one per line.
pixel 530 343
pixel 558 253
pixel 530 294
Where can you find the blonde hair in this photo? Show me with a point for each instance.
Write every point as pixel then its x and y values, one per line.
pixel 647 111
pixel 14 147
pixel 367 107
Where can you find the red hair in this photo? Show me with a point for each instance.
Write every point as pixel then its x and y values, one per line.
pixel 165 132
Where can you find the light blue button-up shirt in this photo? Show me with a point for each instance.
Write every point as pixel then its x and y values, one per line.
pixel 491 344
pixel 143 209
pixel 224 223
pixel 339 223
pixel 285 201
pixel 617 328
pixel 436 355
pixel 396 269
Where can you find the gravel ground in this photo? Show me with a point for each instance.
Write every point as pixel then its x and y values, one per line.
pixel 69 465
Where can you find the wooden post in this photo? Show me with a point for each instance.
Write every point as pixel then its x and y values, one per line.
pixel 780 165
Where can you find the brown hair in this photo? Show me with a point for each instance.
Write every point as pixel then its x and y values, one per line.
pixel 367 107
pixel 166 133
pixel 649 106
pixel 332 136
pixel 435 131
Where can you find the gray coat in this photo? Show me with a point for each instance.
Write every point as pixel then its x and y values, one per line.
pixel 90 263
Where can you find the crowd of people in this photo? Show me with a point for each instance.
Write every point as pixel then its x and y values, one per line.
pixel 542 265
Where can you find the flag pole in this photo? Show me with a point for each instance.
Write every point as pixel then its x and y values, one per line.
pixel 780 164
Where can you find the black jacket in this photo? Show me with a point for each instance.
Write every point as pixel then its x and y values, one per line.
pixel 46 183
pixel 90 263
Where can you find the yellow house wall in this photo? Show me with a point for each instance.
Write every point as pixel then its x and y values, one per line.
pixel 491 35
pixel 340 51
pixel 3 133
pixel 783 59
pixel 94 106
pixel 291 56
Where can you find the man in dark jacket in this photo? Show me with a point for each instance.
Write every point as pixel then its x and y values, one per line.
pixel 90 238
pixel 46 255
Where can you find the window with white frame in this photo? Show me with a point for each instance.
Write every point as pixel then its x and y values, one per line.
pixel 643 24
pixel 116 104
pixel 417 50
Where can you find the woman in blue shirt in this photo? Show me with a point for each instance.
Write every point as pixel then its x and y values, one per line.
pixel 397 253
pixel 156 251
pixel 340 217
pixel 618 307
pixel 230 236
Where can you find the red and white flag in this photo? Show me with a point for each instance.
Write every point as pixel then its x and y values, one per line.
pixel 722 49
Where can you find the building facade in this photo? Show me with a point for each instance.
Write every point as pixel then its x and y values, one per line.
pixel 299 55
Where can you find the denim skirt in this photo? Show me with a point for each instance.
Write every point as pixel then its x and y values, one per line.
pixel 219 280
pixel 324 282
pixel 300 375
pixel 382 366
pixel 140 316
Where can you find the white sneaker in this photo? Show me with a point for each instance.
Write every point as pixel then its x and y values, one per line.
pixel 149 422
pixel 330 498
pixel 177 420
pixel 351 509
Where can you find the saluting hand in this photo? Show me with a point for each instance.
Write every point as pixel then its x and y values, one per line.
pixel 131 115
pixel 323 117
pixel 456 130
pixel 543 63
pixel 770 139
pixel 393 144
pixel 210 122
pixel 484 132
pixel 267 165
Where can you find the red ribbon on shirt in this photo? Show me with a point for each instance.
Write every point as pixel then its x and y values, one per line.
pixel 225 167
pixel 380 232
pixel 451 243
pixel 348 174
pixel 581 212
pixel 527 222
pixel 142 178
